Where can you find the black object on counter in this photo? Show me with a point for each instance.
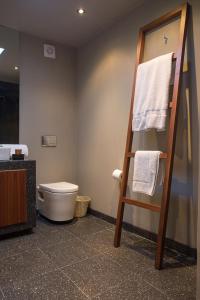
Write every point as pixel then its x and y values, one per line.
pixel 17 156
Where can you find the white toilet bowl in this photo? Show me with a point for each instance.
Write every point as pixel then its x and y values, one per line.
pixel 56 201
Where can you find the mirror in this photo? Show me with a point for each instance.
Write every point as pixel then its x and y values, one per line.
pixel 9 86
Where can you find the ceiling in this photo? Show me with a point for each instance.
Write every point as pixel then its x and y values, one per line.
pixel 57 20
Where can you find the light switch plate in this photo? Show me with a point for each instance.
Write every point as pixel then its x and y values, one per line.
pixel 49 141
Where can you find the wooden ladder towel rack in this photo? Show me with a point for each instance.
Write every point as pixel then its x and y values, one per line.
pixel 182 13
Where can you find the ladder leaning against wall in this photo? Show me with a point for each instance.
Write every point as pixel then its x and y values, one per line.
pixel 182 13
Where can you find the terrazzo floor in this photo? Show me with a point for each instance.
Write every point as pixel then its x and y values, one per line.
pixel 78 261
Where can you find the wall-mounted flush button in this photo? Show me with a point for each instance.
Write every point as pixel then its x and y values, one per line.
pixel 49 141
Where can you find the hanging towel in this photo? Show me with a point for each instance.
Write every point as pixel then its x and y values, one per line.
pixel 146 166
pixel 152 93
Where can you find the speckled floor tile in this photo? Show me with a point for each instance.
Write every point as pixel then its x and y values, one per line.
pixel 28 264
pixel 95 275
pixel 44 234
pixel 17 245
pixel 44 225
pixel 87 226
pixel 132 289
pixel 12 246
pixel 103 240
pixel 54 237
pixel 51 286
pixel 1 295
pixel 130 260
pixel 101 221
pixel 148 248
pixel 67 253
pixel 57 261
pixel 177 283
pixel 136 262
pixel 153 294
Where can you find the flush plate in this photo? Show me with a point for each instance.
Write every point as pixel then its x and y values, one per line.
pixel 49 141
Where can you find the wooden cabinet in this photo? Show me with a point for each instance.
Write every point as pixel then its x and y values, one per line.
pixel 17 196
pixel 13 197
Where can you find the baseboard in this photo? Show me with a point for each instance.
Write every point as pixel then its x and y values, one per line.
pixel 187 250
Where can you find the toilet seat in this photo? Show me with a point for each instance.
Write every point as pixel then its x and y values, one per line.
pixel 59 187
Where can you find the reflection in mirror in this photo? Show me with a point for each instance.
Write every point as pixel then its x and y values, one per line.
pixel 9 86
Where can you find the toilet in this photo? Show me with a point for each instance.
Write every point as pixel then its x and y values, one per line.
pixel 56 201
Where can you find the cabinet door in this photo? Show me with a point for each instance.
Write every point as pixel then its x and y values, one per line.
pixel 13 198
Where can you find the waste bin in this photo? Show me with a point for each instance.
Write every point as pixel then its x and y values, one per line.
pixel 82 203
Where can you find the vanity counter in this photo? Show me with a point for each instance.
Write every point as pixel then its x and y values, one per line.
pixel 17 196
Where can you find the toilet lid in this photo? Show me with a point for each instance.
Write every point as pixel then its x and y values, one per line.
pixel 59 187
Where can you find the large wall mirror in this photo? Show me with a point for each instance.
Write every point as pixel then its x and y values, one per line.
pixel 9 86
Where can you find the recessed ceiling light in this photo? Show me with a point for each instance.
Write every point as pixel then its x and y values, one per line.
pixel 16 68
pixel 81 11
pixel 1 50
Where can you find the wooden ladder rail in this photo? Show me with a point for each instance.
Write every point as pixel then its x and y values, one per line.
pixel 183 13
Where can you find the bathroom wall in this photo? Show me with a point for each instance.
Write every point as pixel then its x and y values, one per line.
pixel 196 70
pixel 103 84
pixel 105 75
pixel 48 107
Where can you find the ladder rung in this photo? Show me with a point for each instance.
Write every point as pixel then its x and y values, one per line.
pixel 162 155
pixel 145 205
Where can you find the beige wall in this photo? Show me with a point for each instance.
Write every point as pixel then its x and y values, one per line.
pixel 103 86
pixel 48 106
pixel 105 74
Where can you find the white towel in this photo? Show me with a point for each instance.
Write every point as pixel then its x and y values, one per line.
pixel 146 166
pixel 152 93
pixel 12 147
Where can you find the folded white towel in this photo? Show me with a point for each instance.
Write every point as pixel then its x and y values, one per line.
pixel 12 147
pixel 146 166
pixel 152 93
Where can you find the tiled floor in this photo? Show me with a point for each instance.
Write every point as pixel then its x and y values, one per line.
pixel 78 261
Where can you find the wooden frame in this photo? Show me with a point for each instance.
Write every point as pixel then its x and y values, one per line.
pixel 183 13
